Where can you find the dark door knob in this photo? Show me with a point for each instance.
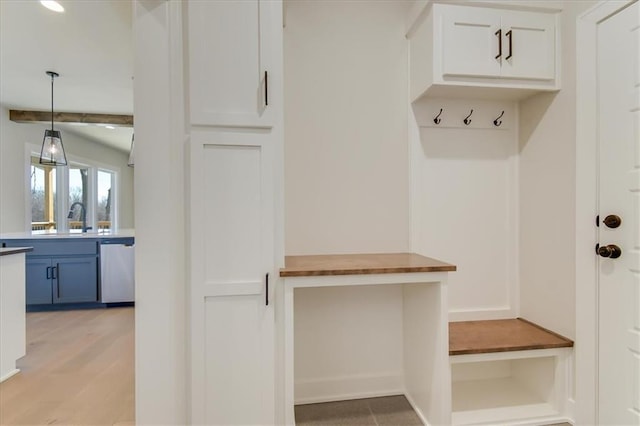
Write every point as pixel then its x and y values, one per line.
pixel 611 251
pixel 612 221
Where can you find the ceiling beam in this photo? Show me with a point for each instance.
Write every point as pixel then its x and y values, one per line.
pixel 70 117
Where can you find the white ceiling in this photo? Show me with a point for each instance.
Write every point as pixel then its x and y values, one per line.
pixel 90 45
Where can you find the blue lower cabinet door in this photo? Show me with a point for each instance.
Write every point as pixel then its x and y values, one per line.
pixel 75 279
pixel 38 281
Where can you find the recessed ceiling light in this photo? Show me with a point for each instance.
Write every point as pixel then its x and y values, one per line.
pixel 52 5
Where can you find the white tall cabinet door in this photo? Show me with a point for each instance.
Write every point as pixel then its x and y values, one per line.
pixel 230 58
pixel 528 45
pixel 232 240
pixel 469 41
pixel 234 136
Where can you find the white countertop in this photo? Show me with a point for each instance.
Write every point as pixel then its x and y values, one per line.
pixel 54 235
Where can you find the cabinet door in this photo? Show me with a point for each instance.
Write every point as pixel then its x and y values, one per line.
pixel 469 41
pixel 229 53
pixel 75 279
pixel 529 43
pixel 232 223
pixel 38 280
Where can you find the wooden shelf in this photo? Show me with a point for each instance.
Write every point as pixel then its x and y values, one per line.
pixel 361 264
pixel 478 337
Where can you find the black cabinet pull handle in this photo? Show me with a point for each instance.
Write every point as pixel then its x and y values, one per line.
pixel 55 277
pixel 510 35
pixel 499 34
pixel 266 291
pixel 266 89
pixel 48 272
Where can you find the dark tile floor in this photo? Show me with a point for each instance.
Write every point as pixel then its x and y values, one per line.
pixel 384 411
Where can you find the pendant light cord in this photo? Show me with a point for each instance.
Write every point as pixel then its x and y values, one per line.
pixel 52 76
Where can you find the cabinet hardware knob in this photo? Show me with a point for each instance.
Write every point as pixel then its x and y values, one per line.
pixel 612 221
pixel 611 251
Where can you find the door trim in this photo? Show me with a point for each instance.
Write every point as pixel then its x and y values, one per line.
pixel 586 370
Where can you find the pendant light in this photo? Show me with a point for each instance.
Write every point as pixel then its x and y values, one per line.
pixel 131 156
pixel 52 152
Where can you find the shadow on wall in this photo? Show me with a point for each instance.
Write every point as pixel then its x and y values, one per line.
pixel 532 111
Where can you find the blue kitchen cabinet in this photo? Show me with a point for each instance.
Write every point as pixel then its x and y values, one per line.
pixel 38 280
pixel 75 279
pixel 60 270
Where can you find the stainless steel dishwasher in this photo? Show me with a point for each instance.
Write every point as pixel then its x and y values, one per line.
pixel 117 270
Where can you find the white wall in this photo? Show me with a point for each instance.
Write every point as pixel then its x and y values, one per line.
pixel 547 194
pixel 464 186
pixel 346 183
pixel 14 137
pixel 161 333
pixel 346 160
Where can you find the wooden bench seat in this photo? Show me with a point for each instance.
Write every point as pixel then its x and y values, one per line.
pixel 505 335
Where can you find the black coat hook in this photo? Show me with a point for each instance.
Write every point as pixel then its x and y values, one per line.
pixel 437 120
pixel 497 122
pixel 467 119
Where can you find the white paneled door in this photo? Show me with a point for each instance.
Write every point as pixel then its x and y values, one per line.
pixel 232 316
pixel 619 218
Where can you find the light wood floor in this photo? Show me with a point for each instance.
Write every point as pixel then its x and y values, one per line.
pixel 79 370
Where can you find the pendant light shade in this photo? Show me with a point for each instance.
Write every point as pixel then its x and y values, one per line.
pixel 52 152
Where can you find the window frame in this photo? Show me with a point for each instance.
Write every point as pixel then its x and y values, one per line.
pixel 62 191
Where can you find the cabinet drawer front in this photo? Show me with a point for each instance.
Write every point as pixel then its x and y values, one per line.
pixel 56 248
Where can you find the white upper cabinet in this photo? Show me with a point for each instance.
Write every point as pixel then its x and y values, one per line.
pixel 469 46
pixel 229 47
pixel 529 45
pixel 472 51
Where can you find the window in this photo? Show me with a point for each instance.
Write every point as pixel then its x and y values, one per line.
pixel 78 193
pixel 43 196
pixel 86 197
pixel 105 194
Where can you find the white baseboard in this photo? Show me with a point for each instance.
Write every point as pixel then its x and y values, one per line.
pixel 570 411
pixel 481 314
pixel 419 412
pixel 9 374
pixel 311 391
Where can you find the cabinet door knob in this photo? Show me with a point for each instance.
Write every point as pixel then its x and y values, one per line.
pixel 611 251
pixel 612 221
pixel 499 35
